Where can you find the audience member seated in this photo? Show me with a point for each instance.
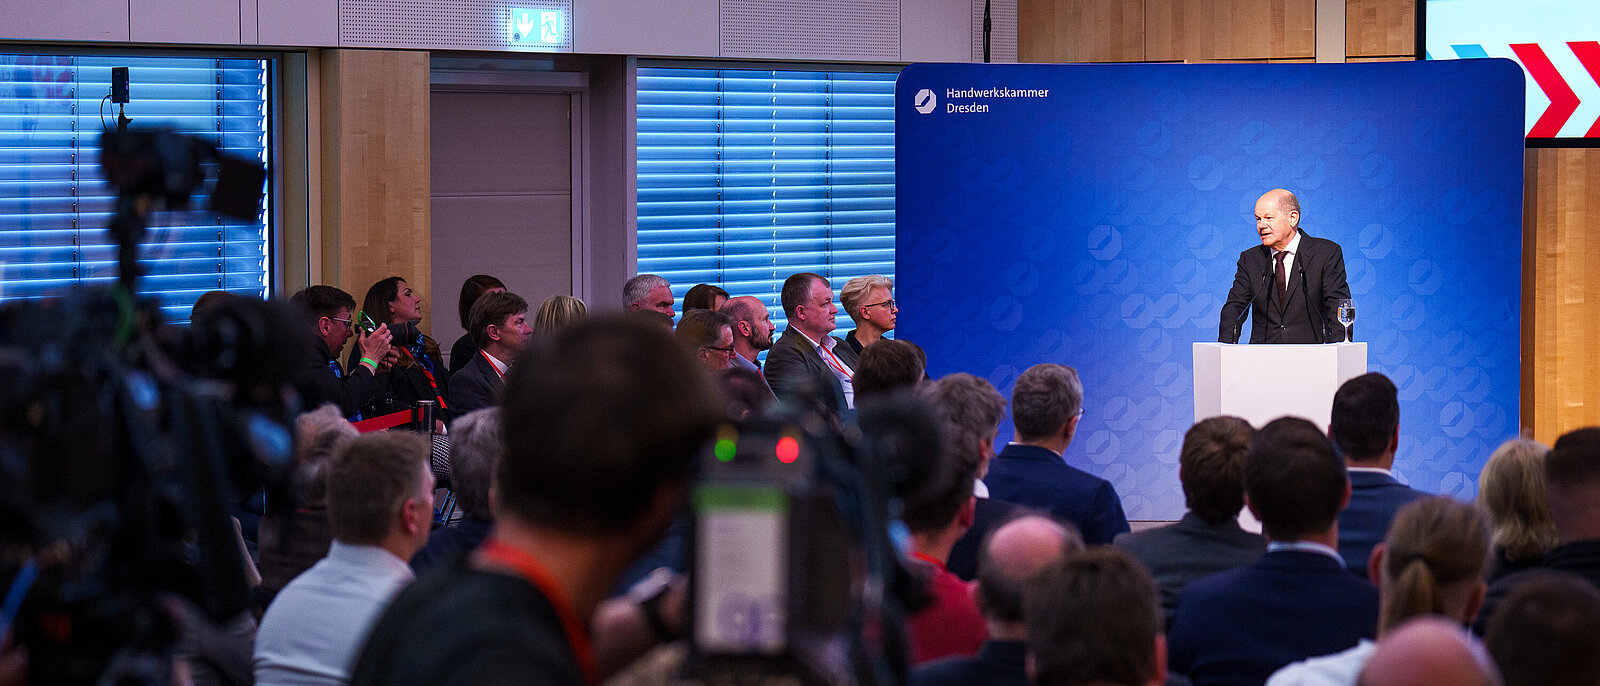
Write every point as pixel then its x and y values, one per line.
pixel 974 403
pixel 603 398
pixel 466 347
pixel 1094 618
pixel 475 448
pixel 558 312
pixel 1430 651
pixel 327 312
pixel 1046 404
pixel 1297 600
pixel 869 301
pixel 500 326
pixel 746 392
pixel 1545 633
pixel 1432 563
pixel 1012 556
pixel 648 292
pixel 210 299
pixel 380 503
pixel 1511 490
pixel 806 361
pixel 1365 426
pixel 752 333
pixel 936 497
pixel 295 534
pixel 1208 538
pixel 704 296
pixel 1572 482
pixel 419 373
pixel 888 368
pixel 707 334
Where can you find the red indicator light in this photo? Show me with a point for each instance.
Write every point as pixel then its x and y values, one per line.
pixel 788 450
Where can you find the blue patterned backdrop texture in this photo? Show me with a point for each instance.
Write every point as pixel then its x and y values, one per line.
pixel 1099 227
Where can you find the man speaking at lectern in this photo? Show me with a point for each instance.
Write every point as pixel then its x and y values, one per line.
pixel 1292 283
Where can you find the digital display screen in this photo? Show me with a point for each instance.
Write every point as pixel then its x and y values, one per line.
pixel 1557 43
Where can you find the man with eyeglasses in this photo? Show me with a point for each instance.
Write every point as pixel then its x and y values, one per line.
pixel 869 300
pixel 709 336
pixel 327 311
pixel 1046 406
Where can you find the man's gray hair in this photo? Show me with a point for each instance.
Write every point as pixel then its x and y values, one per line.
pixel 319 434
pixel 1045 397
pixel 638 288
pixel 971 403
pixel 475 449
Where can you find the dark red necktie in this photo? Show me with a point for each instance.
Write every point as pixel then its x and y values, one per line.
pixel 1283 278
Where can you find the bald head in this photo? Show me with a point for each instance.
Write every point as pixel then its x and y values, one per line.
pixel 1014 553
pixel 1277 218
pixel 1429 651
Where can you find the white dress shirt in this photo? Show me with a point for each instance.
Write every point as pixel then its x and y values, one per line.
pixel 315 627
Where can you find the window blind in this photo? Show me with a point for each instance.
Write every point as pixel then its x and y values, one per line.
pixel 55 204
pixel 746 177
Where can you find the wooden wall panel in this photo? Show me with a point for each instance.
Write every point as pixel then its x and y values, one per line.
pixel 1380 28
pixel 1561 291
pixel 1080 30
pixel 1210 30
pixel 375 167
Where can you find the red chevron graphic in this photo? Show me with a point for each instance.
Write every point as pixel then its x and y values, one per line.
pixel 1563 102
pixel 1588 53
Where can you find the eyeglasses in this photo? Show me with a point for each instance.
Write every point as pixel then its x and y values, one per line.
pixel 728 350
pixel 887 303
pixel 345 322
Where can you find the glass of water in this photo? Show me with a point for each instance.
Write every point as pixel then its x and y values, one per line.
pixel 1347 315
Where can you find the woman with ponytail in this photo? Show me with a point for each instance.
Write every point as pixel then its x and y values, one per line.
pixel 1432 563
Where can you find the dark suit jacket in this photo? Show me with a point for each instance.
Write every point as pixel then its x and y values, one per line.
pixel 1036 477
pixel 475 387
pixel 793 366
pixel 317 383
pixel 1374 500
pixel 998 663
pixel 1240 626
pixel 1580 558
pixel 987 516
pixel 1189 549
pixel 1316 284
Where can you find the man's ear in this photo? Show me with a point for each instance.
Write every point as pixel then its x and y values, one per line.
pixel 1375 563
pixel 746 330
pixel 493 331
pixel 413 516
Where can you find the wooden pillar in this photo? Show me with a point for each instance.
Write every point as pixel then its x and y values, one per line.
pixel 375 171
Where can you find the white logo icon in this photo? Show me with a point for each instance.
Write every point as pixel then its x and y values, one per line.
pixel 550 27
pixel 925 101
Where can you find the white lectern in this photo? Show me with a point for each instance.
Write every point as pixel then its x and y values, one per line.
pixel 1260 383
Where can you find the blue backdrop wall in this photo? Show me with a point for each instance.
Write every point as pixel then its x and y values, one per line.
pixel 1092 215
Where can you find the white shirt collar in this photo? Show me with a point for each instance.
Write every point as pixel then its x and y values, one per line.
pixel 1294 245
pixel 827 341
pixel 1371 470
pixel 499 366
pixel 1305 547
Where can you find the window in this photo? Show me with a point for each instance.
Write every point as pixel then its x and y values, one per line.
pixel 746 177
pixel 55 204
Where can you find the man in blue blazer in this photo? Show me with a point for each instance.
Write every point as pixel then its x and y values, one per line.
pixel 1365 426
pixel 1046 404
pixel 1298 601
pixel 500 326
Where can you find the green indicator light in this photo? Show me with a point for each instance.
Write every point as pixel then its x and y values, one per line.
pixel 725 449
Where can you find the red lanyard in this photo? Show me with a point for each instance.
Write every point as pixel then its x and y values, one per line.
pixel 427 375
pixel 834 363
pixel 519 560
pixel 492 365
pixel 928 559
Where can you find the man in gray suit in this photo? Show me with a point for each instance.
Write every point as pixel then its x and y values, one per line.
pixel 1208 538
pixel 806 361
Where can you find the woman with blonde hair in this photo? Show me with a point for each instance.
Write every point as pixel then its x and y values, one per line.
pixel 1511 489
pixel 1431 563
pixel 558 312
